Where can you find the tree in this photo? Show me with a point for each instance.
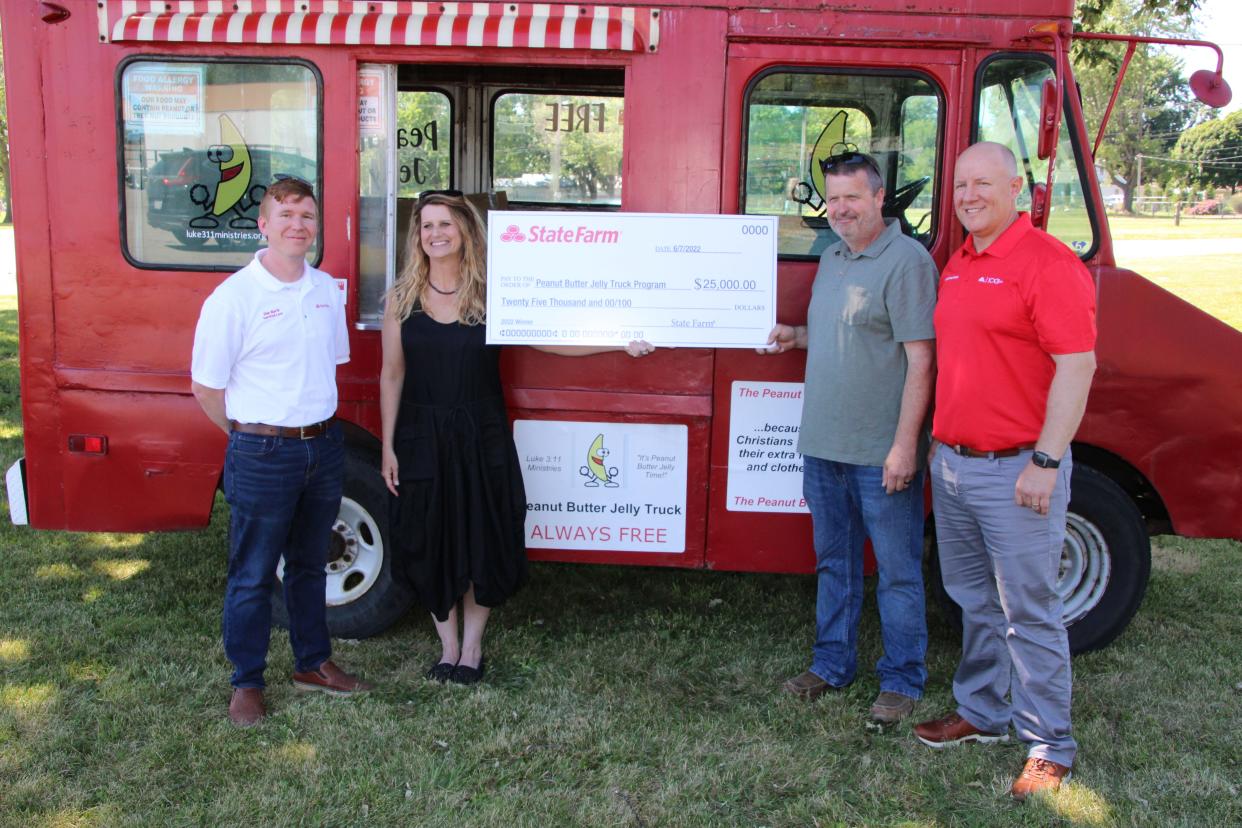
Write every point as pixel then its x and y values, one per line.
pixel 592 160
pixel 1154 105
pixel 520 145
pixel 1090 12
pixel 1212 153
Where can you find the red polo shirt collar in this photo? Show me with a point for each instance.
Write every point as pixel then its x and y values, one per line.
pixel 1005 242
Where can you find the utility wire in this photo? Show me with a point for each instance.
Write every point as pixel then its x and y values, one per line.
pixel 1196 161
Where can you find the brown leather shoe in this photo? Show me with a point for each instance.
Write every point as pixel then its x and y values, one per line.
pixel 890 707
pixel 808 686
pixel 1038 775
pixel 246 708
pixel 954 730
pixel 330 679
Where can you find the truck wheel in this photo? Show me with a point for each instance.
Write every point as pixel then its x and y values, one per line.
pixel 1105 562
pixel 363 597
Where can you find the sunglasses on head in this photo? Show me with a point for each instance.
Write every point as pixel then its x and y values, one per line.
pixel 294 178
pixel 450 193
pixel 847 156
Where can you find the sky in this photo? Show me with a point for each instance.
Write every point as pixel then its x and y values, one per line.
pixel 1219 21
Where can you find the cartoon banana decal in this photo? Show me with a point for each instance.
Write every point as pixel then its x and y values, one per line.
pixel 234 160
pixel 595 459
pixel 833 134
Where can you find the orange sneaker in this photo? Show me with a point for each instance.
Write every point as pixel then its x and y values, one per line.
pixel 1038 775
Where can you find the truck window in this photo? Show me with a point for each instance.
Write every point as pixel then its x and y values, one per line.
pixel 1007 112
pixel 529 137
pixel 405 147
pixel 200 143
pixel 796 118
pixel 424 141
pixel 558 150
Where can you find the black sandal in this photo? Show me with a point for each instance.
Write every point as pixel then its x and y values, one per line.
pixel 466 675
pixel 441 671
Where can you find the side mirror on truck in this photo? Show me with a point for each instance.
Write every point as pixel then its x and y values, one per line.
pixel 1049 101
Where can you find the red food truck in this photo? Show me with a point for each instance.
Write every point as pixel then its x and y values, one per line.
pixel 177 115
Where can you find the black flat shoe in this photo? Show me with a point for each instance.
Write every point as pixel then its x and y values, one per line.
pixel 466 675
pixel 441 672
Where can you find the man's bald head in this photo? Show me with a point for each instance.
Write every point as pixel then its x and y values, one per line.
pixel 992 152
pixel 985 191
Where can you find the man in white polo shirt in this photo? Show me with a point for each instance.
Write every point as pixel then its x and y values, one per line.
pixel 266 348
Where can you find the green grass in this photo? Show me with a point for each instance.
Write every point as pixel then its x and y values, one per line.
pixel 1162 227
pixel 1073 223
pixel 615 697
pixel 1211 282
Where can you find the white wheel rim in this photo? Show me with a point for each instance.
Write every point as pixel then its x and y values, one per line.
pixel 1086 565
pixel 355 556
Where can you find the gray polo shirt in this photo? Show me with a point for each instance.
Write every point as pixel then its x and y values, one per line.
pixel 863 307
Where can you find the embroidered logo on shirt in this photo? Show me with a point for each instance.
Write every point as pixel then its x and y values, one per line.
pixel 951 278
pixel 273 313
pixel 991 280
pixel 321 305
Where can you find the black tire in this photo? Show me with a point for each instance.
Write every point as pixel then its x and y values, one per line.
pixel 363 597
pixel 1104 566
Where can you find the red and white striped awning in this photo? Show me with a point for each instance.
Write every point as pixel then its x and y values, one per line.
pixel 383 23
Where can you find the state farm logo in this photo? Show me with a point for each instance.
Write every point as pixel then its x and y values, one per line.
pixel 538 234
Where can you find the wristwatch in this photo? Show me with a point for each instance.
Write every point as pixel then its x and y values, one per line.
pixel 1044 461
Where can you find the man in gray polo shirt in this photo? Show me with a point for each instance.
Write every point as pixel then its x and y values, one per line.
pixel 869 376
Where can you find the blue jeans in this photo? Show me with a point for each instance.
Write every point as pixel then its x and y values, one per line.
pixel 848 505
pixel 285 494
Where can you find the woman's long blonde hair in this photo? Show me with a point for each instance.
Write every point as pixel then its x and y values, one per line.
pixel 412 280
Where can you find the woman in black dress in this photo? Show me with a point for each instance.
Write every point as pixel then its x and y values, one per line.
pixel 458 508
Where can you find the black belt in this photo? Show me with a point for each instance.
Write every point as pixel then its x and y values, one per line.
pixel 967 451
pixel 300 432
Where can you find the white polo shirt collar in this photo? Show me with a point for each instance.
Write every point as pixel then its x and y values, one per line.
pixel 266 280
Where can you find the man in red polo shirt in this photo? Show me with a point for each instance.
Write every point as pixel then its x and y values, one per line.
pixel 1015 339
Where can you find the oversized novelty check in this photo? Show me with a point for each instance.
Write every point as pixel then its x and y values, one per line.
pixel 570 278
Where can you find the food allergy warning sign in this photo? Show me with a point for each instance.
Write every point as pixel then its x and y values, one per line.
pixel 765 468
pixel 165 98
pixel 370 101
pixel 606 486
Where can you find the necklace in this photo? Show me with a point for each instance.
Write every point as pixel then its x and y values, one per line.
pixel 431 285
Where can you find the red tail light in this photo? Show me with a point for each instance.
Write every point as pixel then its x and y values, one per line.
pixel 88 443
pixel 183 174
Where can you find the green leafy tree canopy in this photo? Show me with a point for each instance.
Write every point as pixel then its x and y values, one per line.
pixel 1211 153
pixel 1155 104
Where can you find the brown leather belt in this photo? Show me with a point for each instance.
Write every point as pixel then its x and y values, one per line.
pixel 967 451
pixel 299 432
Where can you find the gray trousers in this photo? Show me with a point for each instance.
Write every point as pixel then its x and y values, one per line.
pixel 999 562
